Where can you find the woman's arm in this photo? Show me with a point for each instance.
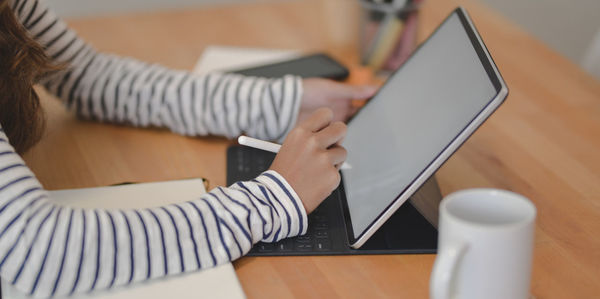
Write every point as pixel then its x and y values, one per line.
pixel 109 88
pixel 47 249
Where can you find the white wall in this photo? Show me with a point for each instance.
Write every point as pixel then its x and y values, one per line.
pixel 591 61
pixel 78 8
pixel 568 26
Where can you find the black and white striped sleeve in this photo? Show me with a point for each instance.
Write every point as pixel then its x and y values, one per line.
pixel 114 89
pixel 47 249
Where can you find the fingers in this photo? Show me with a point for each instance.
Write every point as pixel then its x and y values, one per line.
pixel 363 92
pixel 326 135
pixel 318 120
pixel 354 92
pixel 352 97
pixel 337 155
pixel 353 110
pixel 331 135
pixel 326 132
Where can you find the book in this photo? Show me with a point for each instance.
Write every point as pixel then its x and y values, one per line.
pixel 131 195
pixel 222 58
pixel 217 282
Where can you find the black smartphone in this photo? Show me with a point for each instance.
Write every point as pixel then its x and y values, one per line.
pixel 315 65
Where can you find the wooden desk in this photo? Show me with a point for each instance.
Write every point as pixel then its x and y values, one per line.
pixel 544 142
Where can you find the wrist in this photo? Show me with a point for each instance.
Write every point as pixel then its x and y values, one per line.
pixel 289 199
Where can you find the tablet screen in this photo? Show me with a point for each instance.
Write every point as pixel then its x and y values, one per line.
pixel 412 119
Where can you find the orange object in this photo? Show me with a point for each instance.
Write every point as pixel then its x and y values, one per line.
pixel 361 75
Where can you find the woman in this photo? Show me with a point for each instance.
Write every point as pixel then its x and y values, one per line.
pixel 48 250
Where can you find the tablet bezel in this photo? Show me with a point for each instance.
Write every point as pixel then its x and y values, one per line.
pixel 494 103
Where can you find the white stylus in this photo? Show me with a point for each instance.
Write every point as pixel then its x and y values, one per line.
pixel 269 146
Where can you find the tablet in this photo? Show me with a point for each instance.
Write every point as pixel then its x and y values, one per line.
pixel 423 113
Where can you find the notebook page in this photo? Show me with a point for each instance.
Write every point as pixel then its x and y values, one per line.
pixel 217 282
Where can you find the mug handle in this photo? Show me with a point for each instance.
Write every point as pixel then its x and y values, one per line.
pixel 444 269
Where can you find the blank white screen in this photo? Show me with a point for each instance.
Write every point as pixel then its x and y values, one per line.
pixel 419 111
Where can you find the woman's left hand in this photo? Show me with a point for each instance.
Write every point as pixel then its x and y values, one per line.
pixel 334 95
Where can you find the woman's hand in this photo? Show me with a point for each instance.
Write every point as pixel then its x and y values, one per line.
pixel 337 96
pixel 310 156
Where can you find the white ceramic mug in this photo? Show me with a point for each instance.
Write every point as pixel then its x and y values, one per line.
pixel 485 245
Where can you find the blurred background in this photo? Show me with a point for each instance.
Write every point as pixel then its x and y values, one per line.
pixel 571 27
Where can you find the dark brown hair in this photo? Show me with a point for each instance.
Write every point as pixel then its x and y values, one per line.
pixel 22 63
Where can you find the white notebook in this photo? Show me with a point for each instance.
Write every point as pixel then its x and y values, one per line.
pixel 221 58
pixel 218 282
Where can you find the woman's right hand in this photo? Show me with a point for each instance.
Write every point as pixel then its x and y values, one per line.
pixel 310 157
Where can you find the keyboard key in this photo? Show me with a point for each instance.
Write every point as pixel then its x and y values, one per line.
pixel 304 239
pixel 285 245
pixel 323 245
pixel 322 234
pixel 265 247
pixel 304 247
pixel 321 225
pixel 318 217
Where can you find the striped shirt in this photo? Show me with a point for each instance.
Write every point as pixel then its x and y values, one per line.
pixel 48 250
pixel 114 89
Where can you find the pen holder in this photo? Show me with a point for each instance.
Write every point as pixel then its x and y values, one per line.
pixel 388 32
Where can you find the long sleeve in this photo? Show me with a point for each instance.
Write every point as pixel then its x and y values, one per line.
pixel 114 89
pixel 47 249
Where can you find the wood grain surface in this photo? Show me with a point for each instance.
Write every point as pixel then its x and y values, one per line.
pixel 544 142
